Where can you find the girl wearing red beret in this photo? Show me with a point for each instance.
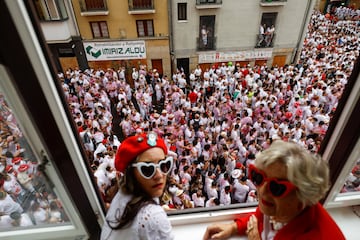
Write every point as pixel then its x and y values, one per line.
pixel 135 212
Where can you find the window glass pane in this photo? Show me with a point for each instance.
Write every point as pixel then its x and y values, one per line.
pixel 141 30
pixel 150 31
pixel 42 10
pixel 209 24
pixel 27 196
pixel 95 29
pixel 62 9
pixel 104 29
pixel 54 14
pixel 352 182
pixel 182 11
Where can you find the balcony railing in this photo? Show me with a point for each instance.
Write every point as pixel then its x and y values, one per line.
pixel 207 45
pixel 272 3
pixel 93 7
pixel 265 41
pixel 141 6
pixel 205 4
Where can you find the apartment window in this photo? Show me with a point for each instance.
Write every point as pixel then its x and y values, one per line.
pixel 267 30
pixel 51 10
pixel 95 5
pixel 182 14
pixel 143 4
pixel 145 28
pixel 99 29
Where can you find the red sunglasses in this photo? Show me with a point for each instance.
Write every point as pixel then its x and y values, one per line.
pixel 278 188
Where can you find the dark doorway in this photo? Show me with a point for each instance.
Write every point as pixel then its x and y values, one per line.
pixel 183 64
pixel 157 64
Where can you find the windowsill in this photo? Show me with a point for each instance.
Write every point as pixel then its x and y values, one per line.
pixel 55 20
pixel 94 13
pixel 147 11
pixel 208 6
pixel 272 4
pixel 193 226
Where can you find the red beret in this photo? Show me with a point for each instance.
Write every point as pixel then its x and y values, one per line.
pixel 133 146
pixel 23 167
pixel 16 160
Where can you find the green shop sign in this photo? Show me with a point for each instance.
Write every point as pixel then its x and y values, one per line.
pixel 119 50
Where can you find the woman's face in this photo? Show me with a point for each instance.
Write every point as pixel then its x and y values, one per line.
pixel 282 208
pixel 154 187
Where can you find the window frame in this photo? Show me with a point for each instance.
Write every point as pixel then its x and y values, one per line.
pixel 46 8
pixel 182 11
pixel 47 127
pixel 145 23
pixel 97 8
pixel 334 174
pixel 102 31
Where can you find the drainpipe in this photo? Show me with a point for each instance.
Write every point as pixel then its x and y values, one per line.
pixel 309 9
pixel 171 41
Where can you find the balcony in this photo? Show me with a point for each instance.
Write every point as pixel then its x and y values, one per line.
pixel 141 7
pixel 93 8
pixel 207 4
pixel 264 41
pixel 207 46
pixel 272 3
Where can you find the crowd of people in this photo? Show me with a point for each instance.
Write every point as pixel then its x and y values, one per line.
pixel 215 120
pixel 26 196
pixel 344 13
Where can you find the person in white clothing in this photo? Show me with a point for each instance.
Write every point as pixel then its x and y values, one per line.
pixel 7 204
pixel 225 197
pixel 198 198
pixel 240 188
pixel 20 220
pixel 135 212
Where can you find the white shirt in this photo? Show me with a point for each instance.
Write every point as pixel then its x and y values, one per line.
pixel 240 191
pixel 225 198
pixel 151 222
pixel 8 205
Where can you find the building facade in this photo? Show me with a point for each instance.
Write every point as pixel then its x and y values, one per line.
pixel 209 32
pixel 124 33
pixel 170 34
pixel 61 33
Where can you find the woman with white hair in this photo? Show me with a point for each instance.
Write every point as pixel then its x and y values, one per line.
pixel 290 182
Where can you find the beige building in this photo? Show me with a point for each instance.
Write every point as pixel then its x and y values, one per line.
pixel 209 32
pixel 61 33
pixel 124 33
